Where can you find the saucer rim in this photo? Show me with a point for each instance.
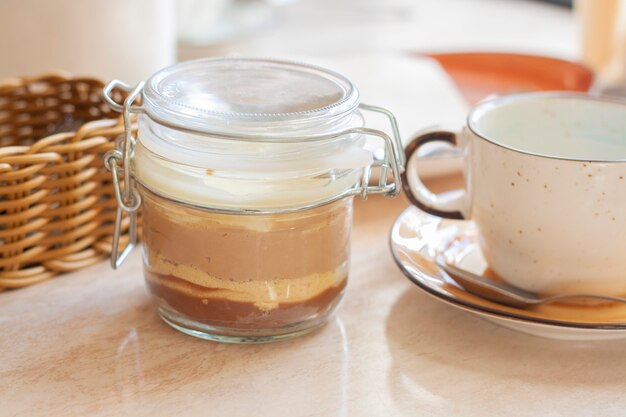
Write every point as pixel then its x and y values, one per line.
pixel 481 310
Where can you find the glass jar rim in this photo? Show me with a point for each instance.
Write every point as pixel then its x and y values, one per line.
pixel 249 96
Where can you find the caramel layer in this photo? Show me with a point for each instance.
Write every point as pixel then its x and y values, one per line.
pixel 201 304
pixel 264 294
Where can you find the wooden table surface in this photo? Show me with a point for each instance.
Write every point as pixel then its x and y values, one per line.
pixel 90 344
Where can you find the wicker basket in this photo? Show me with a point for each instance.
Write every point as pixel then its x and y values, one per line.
pixel 57 204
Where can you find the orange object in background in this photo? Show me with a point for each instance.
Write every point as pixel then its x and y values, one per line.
pixel 480 74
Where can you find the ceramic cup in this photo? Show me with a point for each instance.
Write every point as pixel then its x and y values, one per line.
pixel 545 183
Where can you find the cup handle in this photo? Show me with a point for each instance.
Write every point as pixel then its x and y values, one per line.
pixel 450 205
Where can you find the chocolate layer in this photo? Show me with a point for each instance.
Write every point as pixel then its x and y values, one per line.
pixel 248 247
pixel 199 303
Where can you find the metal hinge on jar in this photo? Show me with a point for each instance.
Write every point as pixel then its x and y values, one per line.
pixel 128 198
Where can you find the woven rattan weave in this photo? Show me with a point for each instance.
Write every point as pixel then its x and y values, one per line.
pixel 57 203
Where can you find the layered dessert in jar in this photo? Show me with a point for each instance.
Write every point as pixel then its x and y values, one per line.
pixel 245 171
pixel 246 271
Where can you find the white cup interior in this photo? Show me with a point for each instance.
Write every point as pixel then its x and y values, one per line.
pixel 557 125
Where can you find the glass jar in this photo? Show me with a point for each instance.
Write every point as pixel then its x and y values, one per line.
pixel 245 170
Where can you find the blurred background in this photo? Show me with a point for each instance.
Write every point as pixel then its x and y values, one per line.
pixel 336 28
pixel 102 37
pixel 427 60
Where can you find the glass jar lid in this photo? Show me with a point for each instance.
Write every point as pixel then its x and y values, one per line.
pixel 248 96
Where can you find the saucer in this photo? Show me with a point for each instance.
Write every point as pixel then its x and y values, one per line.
pixel 417 238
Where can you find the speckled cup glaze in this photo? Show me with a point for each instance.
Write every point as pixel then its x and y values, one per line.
pixel 545 183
